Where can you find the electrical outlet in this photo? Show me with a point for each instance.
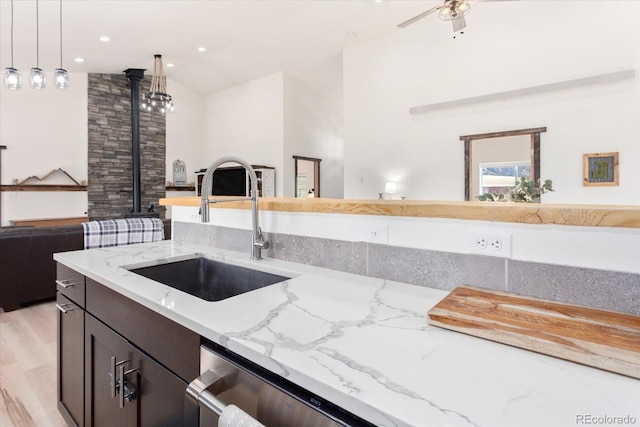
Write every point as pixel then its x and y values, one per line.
pixel 375 234
pixel 490 243
pixel 495 244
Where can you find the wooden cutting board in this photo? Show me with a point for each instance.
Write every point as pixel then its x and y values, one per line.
pixel 599 338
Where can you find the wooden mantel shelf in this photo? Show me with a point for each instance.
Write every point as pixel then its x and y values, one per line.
pixel 525 213
pixel 182 188
pixel 43 187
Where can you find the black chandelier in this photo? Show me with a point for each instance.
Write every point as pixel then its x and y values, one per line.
pixel 157 98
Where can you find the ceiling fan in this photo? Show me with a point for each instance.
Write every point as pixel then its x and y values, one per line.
pixel 449 10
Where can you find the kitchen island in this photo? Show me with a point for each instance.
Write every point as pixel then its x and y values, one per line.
pixel 364 344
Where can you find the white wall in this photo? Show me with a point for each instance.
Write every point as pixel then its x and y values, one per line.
pixel 44 130
pixel 506 46
pixel 185 130
pixel 246 121
pixel 312 128
pixel 267 121
pixel 185 135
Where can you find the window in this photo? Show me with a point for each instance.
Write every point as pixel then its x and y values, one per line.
pixel 498 177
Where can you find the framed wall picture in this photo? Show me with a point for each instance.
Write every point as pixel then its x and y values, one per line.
pixel 601 169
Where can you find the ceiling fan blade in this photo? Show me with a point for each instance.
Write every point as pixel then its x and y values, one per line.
pixel 458 24
pixel 419 17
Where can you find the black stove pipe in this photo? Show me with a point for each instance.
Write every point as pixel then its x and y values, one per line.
pixel 135 75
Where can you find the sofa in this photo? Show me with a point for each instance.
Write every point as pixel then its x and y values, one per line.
pixel 27 268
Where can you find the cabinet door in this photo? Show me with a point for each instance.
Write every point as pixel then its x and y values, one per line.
pixel 162 400
pixel 159 395
pixel 70 320
pixel 101 407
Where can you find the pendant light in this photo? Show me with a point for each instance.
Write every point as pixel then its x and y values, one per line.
pixel 38 78
pixel 11 78
pixel 157 98
pixel 60 75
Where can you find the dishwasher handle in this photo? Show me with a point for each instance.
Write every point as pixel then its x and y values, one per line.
pixel 198 394
pixel 229 415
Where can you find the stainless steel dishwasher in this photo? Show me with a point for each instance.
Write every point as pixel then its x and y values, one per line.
pixel 228 379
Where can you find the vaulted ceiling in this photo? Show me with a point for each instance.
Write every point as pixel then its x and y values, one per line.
pixel 244 39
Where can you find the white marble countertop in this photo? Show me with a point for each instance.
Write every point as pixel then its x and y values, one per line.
pixel 365 344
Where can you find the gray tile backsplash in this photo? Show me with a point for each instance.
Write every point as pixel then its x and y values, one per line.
pixel 583 286
pixel 192 233
pixel 350 257
pixel 441 270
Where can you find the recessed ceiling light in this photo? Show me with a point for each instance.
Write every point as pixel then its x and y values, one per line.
pixel 352 34
pixel 104 39
pixel 79 59
pixel 201 49
pixel 169 65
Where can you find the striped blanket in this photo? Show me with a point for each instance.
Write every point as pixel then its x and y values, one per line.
pixel 127 231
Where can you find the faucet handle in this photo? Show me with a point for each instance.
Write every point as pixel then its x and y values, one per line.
pixel 260 242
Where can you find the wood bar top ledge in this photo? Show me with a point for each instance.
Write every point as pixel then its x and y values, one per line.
pixel 627 216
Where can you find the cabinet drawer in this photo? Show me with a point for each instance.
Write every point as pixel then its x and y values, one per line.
pixel 171 344
pixel 71 284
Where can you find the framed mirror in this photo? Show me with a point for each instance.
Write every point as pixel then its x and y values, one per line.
pixel 307 176
pixel 495 160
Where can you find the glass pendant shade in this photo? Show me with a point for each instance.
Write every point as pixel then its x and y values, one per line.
pixel 61 78
pixel 12 79
pixel 38 78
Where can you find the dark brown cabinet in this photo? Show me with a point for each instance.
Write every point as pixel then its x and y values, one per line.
pixel 120 363
pixel 144 393
pixel 70 319
pixel 102 407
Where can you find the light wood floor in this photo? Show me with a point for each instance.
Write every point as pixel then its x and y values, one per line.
pixel 28 367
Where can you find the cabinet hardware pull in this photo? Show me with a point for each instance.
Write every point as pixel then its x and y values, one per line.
pixel 113 382
pixel 65 308
pixel 118 382
pixel 127 391
pixel 66 283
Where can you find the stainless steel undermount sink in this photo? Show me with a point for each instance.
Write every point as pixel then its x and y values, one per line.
pixel 208 279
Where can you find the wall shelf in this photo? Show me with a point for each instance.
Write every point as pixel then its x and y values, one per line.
pixel 43 187
pixel 191 188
